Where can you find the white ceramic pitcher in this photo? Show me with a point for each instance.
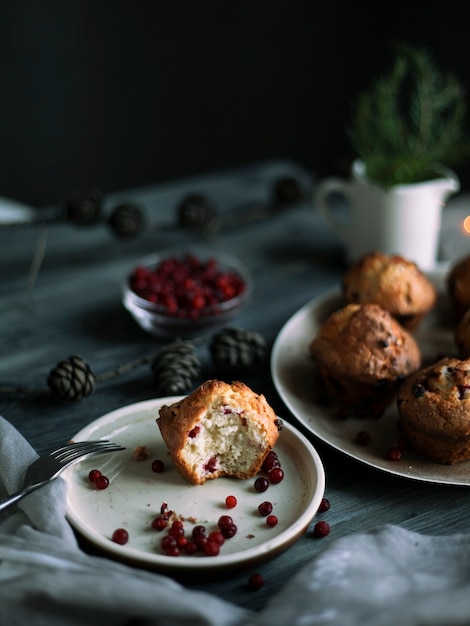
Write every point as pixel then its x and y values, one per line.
pixel 405 219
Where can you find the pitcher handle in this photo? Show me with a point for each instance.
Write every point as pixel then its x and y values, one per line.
pixel 322 200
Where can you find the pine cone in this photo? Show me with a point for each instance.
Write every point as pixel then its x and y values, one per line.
pixel 127 220
pixel 197 213
pixel 175 368
pixel 286 191
pixel 236 348
pixel 84 209
pixel 71 379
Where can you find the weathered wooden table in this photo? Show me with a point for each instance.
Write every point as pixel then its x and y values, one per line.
pixel 70 303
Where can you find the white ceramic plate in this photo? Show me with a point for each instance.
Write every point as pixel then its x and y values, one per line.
pixel 136 493
pixel 293 373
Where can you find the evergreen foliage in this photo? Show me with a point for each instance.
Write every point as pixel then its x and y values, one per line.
pixel 409 121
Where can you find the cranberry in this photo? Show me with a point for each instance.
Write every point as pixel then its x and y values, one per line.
pixel 255 582
pixel 362 437
pixel 224 520
pixel 159 523
pixel 230 502
pixel 271 521
pixel 158 466
pixel 101 482
pixel 321 529
pixel 190 548
pixel 265 508
pixel 176 529
pixel 93 475
pixel 216 536
pixel 270 461
pixel 212 548
pixel 276 475
pixel 394 453
pixel 228 531
pixel 199 531
pixel 121 536
pixel 186 286
pixel 324 505
pixel 261 484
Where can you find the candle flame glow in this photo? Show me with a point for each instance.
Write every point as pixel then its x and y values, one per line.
pixel 466 225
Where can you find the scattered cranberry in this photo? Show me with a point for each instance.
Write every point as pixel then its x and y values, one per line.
pixel 270 461
pixel 265 508
pixel 324 505
pixel 230 502
pixel 159 523
pixel 101 482
pixel 394 453
pixel 190 548
pixel 186 286
pixel 271 521
pixel 216 536
pixel 362 437
pixel 176 529
pixel 199 531
pixel 321 529
pixel 261 484
pixel 276 475
pixel 211 548
pixel 255 582
pixel 158 466
pixel 121 536
pixel 93 475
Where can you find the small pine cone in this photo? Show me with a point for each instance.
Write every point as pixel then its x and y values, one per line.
pixel 127 220
pixel 197 213
pixel 84 209
pixel 236 348
pixel 286 191
pixel 175 368
pixel 71 379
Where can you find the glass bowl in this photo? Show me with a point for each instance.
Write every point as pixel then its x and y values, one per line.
pixel 185 294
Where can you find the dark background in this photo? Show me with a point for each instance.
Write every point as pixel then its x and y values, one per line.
pixel 121 93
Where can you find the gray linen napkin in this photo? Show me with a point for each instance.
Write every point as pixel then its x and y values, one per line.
pixel 384 577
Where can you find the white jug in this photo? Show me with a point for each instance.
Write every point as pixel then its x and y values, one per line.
pixel 404 220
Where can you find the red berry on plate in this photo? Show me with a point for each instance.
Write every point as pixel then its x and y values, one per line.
pixel 121 536
pixel 101 482
pixel 230 502
pixel 394 453
pixel 265 508
pixel 271 521
pixel 93 475
pixel 158 466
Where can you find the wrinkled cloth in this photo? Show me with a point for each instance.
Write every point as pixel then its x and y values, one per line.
pixel 383 577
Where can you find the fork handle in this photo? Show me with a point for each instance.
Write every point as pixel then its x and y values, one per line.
pixel 19 495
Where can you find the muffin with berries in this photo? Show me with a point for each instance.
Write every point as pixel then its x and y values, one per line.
pixel 434 409
pixel 393 282
pixel 363 354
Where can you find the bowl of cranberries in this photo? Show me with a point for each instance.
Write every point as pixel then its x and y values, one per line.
pixel 183 294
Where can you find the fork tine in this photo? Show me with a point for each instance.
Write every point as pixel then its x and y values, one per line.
pixel 77 445
pixel 70 453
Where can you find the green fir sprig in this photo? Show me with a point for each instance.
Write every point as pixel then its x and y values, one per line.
pixel 410 120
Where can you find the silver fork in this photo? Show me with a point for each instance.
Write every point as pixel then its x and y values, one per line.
pixel 49 466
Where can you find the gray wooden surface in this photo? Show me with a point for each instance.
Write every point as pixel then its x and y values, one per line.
pixel 74 307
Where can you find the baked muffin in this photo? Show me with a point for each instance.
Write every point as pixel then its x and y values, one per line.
pixel 434 409
pixel 363 354
pixel 219 429
pixel 394 283
pixel 458 287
